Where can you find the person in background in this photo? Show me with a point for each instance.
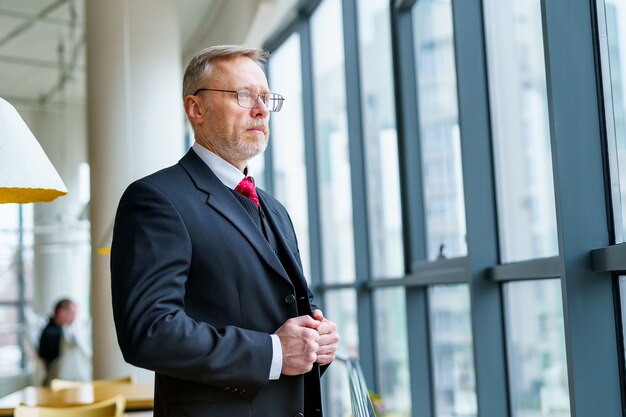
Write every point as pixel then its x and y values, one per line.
pixel 207 284
pixel 50 340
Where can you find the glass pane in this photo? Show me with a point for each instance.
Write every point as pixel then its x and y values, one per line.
pixel 613 51
pixel 336 389
pixel 536 349
pixel 340 307
pixel 332 143
pixel 380 139
pixel 453 356
pixel 288 142
pixel 521 136
pixel 439 129
pixel 16 265
pixel 392 368
pixel 622 296
pixel 9 235
pixel 10 351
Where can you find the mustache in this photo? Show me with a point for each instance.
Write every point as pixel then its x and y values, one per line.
pixel 258 124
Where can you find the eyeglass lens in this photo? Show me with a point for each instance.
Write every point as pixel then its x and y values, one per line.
pixel 273 101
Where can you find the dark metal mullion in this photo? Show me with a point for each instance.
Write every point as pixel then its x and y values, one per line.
pixel 413 215
pixel 609 258
pixel 417 281
pixel 581 206
pixel 338 286
pixel 541 268
pixel 358 174
pixel 480 208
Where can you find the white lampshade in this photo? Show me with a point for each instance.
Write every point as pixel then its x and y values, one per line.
pixel 26 173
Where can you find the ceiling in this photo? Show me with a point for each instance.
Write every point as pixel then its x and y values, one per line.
pixel 42 42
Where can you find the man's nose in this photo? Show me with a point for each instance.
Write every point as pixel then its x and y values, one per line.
pixel 259 108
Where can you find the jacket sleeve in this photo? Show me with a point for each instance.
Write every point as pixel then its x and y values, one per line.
pixel 150 261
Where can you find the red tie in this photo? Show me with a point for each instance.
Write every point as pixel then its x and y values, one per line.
pixel 246 189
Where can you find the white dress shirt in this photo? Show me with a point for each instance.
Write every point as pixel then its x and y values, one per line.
pixel 231 177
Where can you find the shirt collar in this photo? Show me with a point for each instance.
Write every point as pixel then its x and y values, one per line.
pixel 227 173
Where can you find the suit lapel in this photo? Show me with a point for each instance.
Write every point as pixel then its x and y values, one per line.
pixel 272 215
pixel 222 200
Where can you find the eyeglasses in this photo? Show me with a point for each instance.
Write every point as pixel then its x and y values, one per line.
pixel 248 99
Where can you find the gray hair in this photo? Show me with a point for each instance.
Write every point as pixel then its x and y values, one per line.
pixel 201 66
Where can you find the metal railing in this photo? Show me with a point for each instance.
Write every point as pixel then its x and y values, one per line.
pixel 359 394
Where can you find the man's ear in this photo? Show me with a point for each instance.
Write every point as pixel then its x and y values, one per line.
pixel 194 108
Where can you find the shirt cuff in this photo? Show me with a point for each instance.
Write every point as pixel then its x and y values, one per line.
pixel 277 358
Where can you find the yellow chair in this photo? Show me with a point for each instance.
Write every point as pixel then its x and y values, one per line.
pixel 113 407
pixel 59 384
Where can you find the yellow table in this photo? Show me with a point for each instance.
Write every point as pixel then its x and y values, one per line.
pixel 138 396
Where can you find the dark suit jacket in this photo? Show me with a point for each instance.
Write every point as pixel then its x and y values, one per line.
pixel 50 342
pixel 197 291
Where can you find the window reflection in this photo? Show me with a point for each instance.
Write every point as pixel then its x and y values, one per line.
pixel 290 186
pixel 622 296
pixel 439 129
pixel 340 307
pixel 453 356
pixel 536 349
pixel 392 367
pixel 16 264
pixel 613 49
pixel 521 139
pixel 331 132
pixel 380 139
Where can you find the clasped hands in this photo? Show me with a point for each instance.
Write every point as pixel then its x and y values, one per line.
pixel 306 340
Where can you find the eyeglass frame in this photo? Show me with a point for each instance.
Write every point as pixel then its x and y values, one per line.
pixel 263 97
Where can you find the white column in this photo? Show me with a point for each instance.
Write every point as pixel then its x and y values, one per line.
pixel 135 127
pixel 61 243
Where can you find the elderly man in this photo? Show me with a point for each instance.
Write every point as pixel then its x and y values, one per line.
pixel 208 289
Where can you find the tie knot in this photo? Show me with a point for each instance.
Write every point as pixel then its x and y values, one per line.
pixel 246 188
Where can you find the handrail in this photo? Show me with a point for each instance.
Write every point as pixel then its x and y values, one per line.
pixel 359 394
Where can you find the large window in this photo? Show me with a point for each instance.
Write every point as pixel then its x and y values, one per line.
pixel 380 139
pixel 526 205
pixel 15 271
pixel 391 345
pixel 521 138
pixel 332 143
pixel 453 359
pixel 465 288
pixel 439 129
pixel 536 349
pixel 288 142
pixel 341 307
pixel 611 14
pixel 613 44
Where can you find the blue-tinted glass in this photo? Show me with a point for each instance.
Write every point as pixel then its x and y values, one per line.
pixel 439 129
pixel 521 136
pixel 380 139
pixel 333 157
pixel 290 185
pixel 536 355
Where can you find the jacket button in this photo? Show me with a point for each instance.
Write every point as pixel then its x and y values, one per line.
pixel 289 299
pixel 298 415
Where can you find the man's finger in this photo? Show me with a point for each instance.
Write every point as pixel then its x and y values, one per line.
pixel 305 321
